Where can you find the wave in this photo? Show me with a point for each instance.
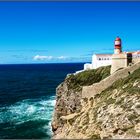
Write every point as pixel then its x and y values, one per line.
pixel 30 118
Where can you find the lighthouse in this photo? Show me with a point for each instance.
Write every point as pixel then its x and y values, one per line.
pixel 117 46
pixel 119 58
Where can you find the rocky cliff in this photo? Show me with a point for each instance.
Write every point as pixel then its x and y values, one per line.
pixel 114 113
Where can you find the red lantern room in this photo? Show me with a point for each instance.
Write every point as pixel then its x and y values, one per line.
pixel 117 46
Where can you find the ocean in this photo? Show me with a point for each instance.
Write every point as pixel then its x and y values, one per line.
pixel 27 98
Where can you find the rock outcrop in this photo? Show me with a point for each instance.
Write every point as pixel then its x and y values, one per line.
pixel 114 113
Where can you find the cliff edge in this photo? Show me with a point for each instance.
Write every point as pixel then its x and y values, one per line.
pixel 114 113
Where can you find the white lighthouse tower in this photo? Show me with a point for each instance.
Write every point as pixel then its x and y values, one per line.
pixel 117 46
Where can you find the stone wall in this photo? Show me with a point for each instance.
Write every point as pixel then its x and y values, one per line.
pixel 136 60
pixel 97 88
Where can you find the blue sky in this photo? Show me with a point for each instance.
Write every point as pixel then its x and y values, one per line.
pixel 53 32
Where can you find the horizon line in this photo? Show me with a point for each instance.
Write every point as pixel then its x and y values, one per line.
pixel 41 63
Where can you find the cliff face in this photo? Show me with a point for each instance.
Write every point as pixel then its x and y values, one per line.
pixel 69 93
pixel 114 113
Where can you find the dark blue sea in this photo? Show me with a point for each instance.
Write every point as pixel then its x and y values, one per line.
pixel 27 98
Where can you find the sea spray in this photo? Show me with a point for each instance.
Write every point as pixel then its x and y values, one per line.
pixel 27 112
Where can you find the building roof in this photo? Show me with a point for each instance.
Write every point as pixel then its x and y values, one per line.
pixel 136 52
pixel 110 55
pixel 117 38
pixel 103 55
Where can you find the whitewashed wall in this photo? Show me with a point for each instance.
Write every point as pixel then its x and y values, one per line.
pixel 87 66
pixel 98 61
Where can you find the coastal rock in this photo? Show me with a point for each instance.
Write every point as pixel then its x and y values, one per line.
pixel 67 102
pixel 112 114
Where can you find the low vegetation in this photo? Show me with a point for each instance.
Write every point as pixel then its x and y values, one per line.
pixel 88 77
pixel 129 85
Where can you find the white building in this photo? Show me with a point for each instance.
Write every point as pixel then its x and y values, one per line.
pixel 87 66
pixel 99 60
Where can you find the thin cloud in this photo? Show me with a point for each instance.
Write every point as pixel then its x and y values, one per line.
pixel 78 59
pixel 41 57
pixel 44 57
pixel 104 50
pixel 61 57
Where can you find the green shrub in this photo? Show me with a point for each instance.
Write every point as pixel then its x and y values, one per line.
pixel 88 77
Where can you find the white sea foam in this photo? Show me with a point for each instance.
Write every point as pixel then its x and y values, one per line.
pixel 29 110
